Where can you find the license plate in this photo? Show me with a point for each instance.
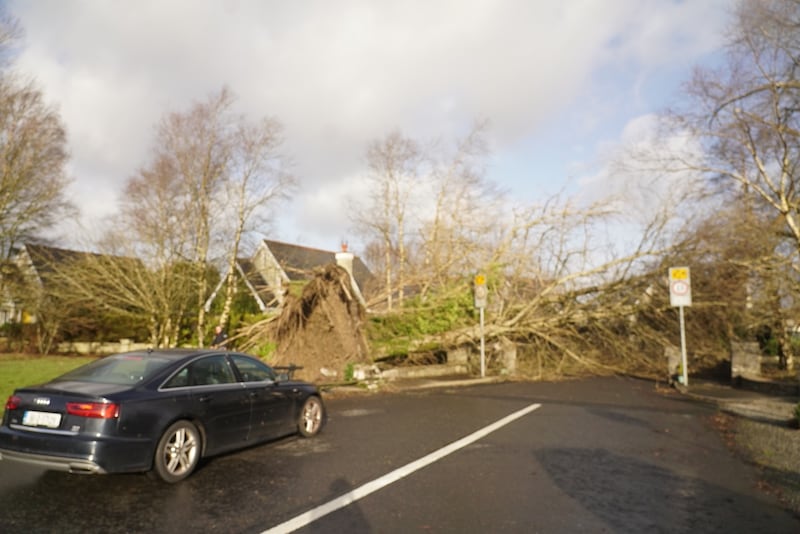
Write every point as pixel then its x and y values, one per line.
pixel 46 419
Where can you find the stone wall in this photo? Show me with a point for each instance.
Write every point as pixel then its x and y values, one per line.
pixel 500 353
pixel 674 360
pixel 745 360
pixel 100 347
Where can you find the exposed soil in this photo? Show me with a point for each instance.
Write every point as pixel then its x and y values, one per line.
pixel 323 329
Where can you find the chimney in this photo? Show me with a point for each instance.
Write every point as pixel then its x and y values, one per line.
pixel 344 259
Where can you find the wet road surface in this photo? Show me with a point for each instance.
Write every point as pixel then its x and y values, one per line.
pixel 599 455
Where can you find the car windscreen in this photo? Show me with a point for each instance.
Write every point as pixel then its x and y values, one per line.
pixel 123 369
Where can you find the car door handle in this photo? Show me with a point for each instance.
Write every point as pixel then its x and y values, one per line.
pixel 205 398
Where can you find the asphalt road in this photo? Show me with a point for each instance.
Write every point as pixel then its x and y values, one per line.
pixel 599 455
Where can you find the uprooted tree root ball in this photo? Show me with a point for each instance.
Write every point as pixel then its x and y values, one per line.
pixel 321 331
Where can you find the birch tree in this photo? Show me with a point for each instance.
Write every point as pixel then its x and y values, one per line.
pixel 151 228
pixel 213 177
pixel 745 120
pixel 457 227
pixel 197 146
pixel 395 170
pixel 257 180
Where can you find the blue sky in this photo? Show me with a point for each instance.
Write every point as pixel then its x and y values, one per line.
pixel 558 81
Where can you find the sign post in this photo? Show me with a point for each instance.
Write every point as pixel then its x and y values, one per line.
pixel 680 295
pixel 481 296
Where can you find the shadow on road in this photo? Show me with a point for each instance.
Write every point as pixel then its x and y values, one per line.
pixel 630 495
pixel 347 519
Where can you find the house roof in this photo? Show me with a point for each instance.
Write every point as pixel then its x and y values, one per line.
pixel 256 282
pixel 44 257
pixel 299 262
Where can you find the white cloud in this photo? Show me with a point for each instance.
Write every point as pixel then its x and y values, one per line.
pixel 339 74
pixel 640 178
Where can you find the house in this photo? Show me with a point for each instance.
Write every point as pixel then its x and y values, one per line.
pixel 39 271
pixel 268 274
pixel 275 266
pixel 27 272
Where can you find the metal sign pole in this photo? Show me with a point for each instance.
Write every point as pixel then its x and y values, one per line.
pixel 481 297
pixel 683 350
pixel 483 349
pixel 680 295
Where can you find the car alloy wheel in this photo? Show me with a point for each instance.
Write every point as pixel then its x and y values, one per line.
pixel 178 452
pixel 311 417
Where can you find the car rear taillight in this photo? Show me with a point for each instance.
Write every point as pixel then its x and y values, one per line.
pixel 97 410
pixel 13 402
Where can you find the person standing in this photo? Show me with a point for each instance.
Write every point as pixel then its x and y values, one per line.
pixel 220 338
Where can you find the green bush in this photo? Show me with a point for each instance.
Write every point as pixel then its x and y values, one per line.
pixel 392 334
pixel 265 351
pixel 349 371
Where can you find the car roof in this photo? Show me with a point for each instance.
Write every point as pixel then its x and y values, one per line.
pixel 174 354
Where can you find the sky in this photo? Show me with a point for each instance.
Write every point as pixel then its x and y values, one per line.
pixel 561 84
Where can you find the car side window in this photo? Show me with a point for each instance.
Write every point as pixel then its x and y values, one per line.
pixel 253 370
pixel 209 371
pixel 179 380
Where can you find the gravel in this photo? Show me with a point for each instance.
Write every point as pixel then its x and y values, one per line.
pixel 773 448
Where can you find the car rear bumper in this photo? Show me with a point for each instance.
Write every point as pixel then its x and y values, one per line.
pixel 76 453
pixel 54 463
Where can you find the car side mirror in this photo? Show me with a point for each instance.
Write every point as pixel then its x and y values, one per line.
pixel 286 372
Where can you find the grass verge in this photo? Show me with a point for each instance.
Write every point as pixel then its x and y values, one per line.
pixel 19 370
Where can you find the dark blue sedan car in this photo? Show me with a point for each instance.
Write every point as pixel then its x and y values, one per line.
pixel 155 411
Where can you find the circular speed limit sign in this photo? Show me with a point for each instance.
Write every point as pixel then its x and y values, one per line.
pixel 481 292
pixel 679 287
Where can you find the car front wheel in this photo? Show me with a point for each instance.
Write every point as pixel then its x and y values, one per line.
pixel 311 417
pixel 178 452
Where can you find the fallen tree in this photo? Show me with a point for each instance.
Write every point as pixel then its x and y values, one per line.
pixel 322 330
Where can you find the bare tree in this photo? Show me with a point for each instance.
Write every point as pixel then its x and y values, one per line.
pixel 10 32
pixel 744 119
pixel 150 226
pixel 555 288
pixel 197 146
pixel 423 217
pixel 258 178
pixel 458 234
pixel 33 178
pixel 164 226
pixel 212 178
pixel 395 170
pixel 558 282
pixel 745 115
pixel 33 185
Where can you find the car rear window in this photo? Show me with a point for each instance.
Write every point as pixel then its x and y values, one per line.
pixel 118 369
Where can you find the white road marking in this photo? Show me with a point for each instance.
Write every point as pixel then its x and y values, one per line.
pixel 389 478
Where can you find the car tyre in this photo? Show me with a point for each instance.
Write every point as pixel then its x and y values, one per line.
pixel 312 417
pixel 177 452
